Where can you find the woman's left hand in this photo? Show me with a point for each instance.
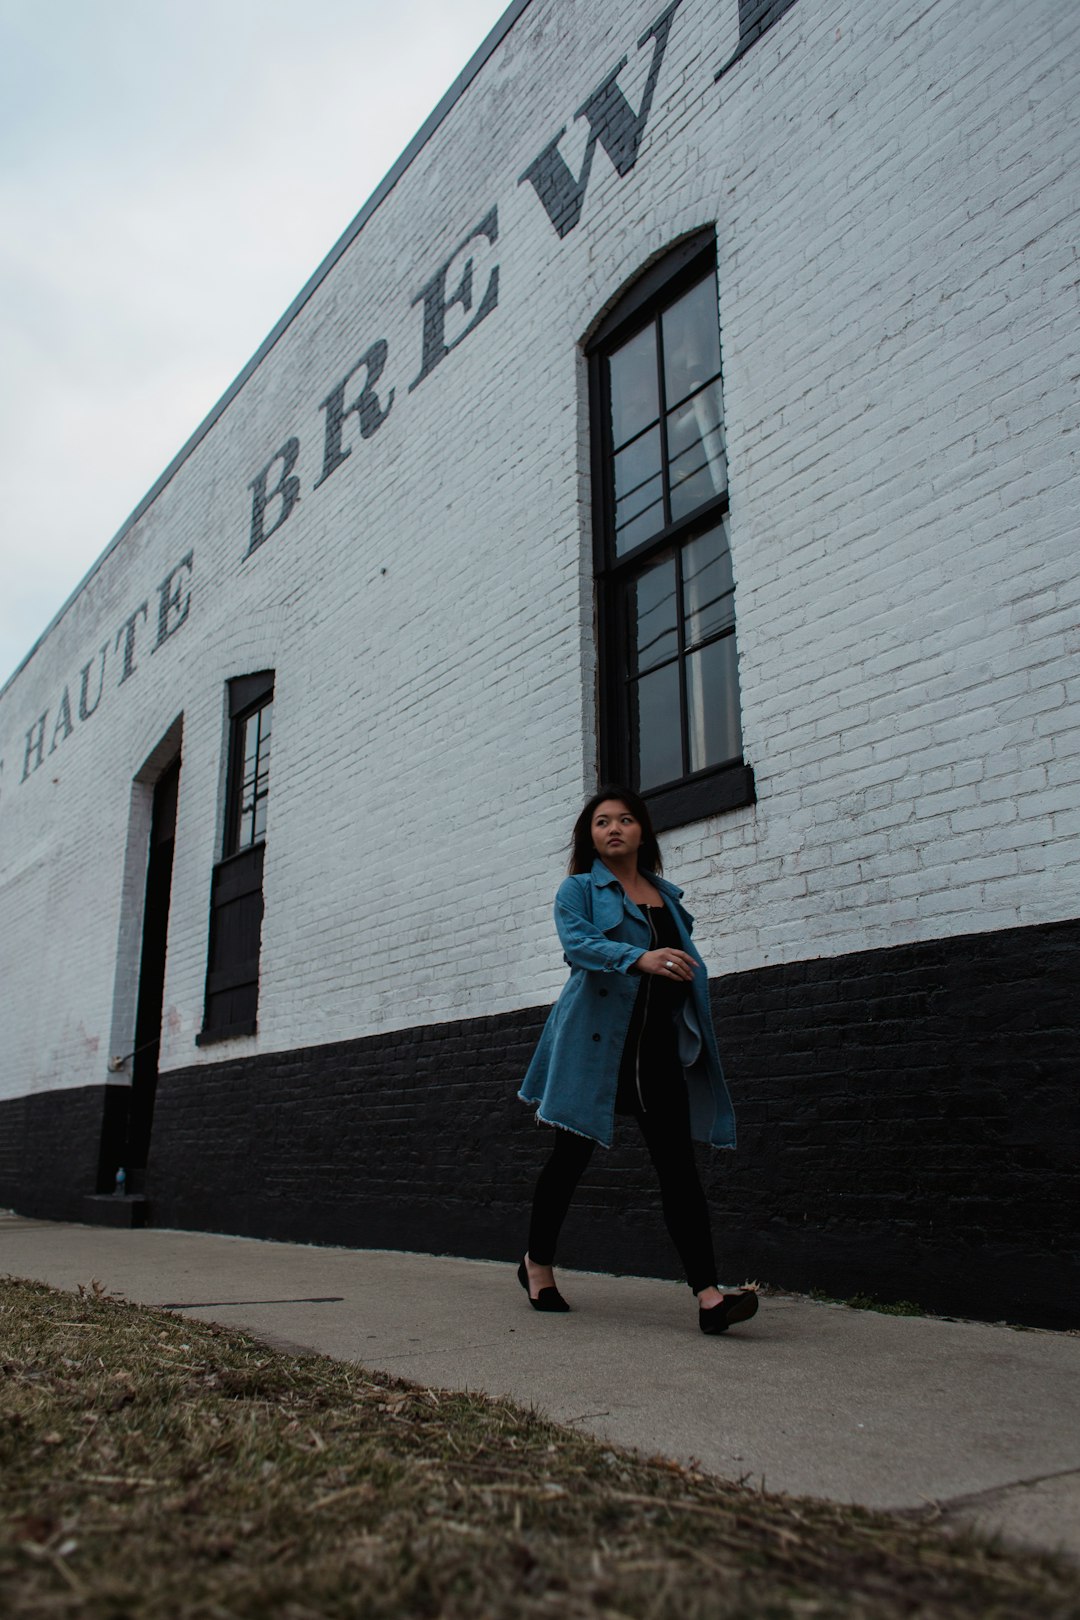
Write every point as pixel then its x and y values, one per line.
pixel 666 964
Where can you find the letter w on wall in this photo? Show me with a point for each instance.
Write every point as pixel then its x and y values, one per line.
pixel 612 122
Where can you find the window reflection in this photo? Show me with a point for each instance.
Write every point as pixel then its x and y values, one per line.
pixel 654 633
pixel 697 454
pixel 712 703
pixel 708 588
pixel 639 493
pixel 655 726
pixel 254 750
pixel 691 330
pixel 634 402
pixel 698 575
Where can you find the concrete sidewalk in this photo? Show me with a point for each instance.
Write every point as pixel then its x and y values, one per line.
pixel 814 1399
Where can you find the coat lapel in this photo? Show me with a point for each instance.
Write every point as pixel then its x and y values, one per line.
pixel 611 907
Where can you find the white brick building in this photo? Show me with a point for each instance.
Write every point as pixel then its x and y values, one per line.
pixel 403 510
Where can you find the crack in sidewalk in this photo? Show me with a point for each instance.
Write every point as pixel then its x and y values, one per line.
pixel 972 1497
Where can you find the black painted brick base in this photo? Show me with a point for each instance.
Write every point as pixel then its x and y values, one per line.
pixel 908 1128
pixel 50 1146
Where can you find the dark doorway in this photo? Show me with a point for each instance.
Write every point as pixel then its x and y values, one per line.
pixel 144 1062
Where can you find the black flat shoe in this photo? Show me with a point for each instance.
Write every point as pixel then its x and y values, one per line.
pixel 738 1307
pixel 548 1299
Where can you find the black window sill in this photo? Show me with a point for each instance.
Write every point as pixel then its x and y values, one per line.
pixel 707 796
pixel 242 854
pixel 227 1032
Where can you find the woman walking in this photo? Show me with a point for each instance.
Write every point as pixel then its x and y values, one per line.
pixel 631 1033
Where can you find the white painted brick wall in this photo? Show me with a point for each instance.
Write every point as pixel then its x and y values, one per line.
pixel 893 190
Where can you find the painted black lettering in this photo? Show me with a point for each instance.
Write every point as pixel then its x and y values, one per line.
pixel 86 709
pixel 287 489
pixel 64 724
pixel 366 406
pixel 612 123
pixel 437 304
pixel 127 631
pixel 173 604
pixel 35 745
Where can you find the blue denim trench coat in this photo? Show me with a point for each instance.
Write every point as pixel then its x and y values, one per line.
pixel 574 1072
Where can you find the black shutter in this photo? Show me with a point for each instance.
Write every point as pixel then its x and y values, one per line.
pixel 232 977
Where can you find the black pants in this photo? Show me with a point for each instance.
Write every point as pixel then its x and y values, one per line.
pixel 665 1124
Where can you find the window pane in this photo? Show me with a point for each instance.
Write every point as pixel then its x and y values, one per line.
pixel 691 341
pixel 254 776
pixel 708 588
pixel 655 729
pixel 697 452
pixel 639 500
pixel 654 635
pixel 712 701
pixel 251 743
pixel 633 387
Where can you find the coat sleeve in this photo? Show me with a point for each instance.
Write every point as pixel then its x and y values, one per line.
pixel 585 945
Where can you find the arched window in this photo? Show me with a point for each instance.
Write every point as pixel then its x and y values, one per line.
pixel 669 710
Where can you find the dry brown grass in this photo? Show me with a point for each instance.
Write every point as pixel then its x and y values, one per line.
pixel 155 1466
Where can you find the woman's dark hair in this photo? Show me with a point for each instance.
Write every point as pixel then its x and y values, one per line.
pixel 582 851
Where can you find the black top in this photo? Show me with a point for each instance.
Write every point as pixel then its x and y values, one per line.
pixel 651 1050
pixel 665 995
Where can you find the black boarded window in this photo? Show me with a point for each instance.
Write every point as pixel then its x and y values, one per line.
pixel 670 723
pixel 236 893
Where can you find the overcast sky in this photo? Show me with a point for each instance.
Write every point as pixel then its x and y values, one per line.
pixel 171 172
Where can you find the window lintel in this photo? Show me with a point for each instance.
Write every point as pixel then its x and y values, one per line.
pixel 247 691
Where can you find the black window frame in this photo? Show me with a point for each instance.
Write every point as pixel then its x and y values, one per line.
pixel 717 788
pixel 231 1000
pixel 249 696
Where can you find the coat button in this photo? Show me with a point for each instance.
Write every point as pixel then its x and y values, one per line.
pixel 603 992
pixel 596 1037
